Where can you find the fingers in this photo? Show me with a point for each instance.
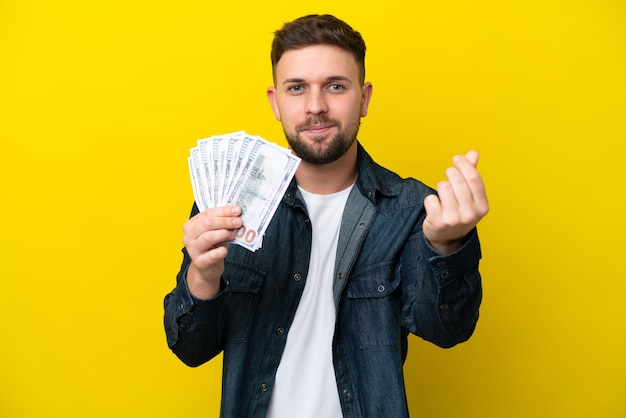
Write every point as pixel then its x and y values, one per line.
pixel 452 195
pixel 226 217
pixel 432 205
pixel 460 202
pixel 206 235
pixel 472 156
pixel 466 181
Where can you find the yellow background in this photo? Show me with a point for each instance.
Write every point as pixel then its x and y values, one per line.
pixel 101 101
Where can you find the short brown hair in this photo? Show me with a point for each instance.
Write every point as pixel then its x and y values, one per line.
pixel 318 30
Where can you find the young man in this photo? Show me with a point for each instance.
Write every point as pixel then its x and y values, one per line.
pixel 315 323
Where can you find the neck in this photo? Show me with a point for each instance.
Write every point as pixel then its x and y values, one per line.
pixel 329 178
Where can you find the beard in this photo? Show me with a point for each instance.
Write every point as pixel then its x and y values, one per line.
pixel 323 150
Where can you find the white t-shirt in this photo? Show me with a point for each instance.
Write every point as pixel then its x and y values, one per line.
pixel 305 381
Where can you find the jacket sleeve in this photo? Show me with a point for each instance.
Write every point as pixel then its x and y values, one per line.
pixel 192 326
pixel 442 293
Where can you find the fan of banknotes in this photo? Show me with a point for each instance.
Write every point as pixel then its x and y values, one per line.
pixel 246 170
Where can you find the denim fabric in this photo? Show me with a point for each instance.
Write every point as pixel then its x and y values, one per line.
pixel 388 282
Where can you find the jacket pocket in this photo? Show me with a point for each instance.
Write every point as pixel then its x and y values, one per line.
pixel 243 284
pixel 374 298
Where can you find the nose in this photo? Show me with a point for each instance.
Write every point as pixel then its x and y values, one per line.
pixel 316 102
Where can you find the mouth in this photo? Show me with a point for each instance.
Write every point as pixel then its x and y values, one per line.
pixel 317 129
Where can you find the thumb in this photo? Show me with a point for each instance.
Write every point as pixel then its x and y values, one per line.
pixel 472 157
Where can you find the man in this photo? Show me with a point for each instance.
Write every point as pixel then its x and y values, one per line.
pixel 315 323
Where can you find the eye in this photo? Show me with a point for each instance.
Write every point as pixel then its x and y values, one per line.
pixel 335 87
pixel 296 88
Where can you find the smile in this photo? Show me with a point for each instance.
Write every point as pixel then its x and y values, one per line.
pixel 318 129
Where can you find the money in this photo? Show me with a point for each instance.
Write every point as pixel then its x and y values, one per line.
pixel 246 170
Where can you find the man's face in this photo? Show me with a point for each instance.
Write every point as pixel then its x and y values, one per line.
pixel 320 101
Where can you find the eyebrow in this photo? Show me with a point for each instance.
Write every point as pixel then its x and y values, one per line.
pixel 331 78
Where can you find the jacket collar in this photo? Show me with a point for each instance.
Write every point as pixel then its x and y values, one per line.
pixel 373 180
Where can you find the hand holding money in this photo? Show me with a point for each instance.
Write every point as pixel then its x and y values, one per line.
pixel 244 170
pixel 206 237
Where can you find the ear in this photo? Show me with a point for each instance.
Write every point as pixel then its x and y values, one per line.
pixel 366 95
pixel 271 95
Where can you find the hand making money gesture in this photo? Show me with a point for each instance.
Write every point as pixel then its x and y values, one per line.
pixel 460 204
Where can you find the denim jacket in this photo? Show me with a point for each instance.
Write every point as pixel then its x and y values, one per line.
pixel 388 282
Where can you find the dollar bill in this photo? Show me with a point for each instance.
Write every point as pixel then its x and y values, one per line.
pixel 246 170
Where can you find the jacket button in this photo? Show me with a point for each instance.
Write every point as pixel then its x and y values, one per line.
pixel 280 331
pixel 381 288
pixel 264 387
pixel 444 274
pixel 346 393
pixel 297 277
pixel 443 306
